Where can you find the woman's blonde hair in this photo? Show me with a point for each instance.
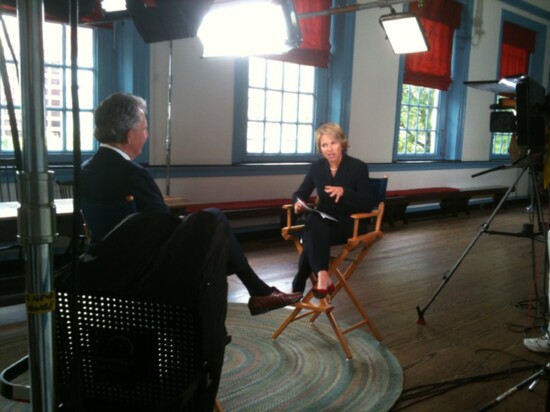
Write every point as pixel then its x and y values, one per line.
pixel 333 130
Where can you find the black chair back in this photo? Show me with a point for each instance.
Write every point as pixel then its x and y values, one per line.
pixel 132 354
pixel 377 190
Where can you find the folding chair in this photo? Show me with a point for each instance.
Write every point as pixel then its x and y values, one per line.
pixel 342 267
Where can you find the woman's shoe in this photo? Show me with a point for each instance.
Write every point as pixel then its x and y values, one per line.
pixel 322 293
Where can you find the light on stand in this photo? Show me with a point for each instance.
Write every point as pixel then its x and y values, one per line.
pixel 404 32
pixel 249 27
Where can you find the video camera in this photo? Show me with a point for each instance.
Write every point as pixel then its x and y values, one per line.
pixel 520 110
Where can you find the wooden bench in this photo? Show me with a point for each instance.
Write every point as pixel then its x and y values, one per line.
pixel 451 200
pixel 249 215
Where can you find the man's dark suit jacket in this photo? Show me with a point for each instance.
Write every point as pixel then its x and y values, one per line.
pixel 108 176
pixel 108 181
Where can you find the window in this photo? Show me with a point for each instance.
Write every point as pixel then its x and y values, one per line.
pixel 57 87
pixel 280 101
pixel 281 108
pixel 418 121
pixel 282 105
pixel 428 78
pixel 517 44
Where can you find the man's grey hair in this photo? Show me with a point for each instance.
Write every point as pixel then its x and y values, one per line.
pixel 116 115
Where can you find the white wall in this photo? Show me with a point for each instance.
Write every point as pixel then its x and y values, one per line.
pixel 202 112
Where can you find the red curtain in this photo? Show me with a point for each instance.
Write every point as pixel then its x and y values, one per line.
pixel 516 46
pixel 315 47
pixel 433 68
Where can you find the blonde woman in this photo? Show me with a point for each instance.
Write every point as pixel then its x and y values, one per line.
pixel 341 183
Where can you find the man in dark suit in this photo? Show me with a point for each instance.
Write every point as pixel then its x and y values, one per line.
pixel 112 176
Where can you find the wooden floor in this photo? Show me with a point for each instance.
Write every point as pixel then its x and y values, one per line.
pixel 475 326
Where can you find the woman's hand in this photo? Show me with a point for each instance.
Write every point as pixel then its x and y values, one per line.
pixel 298 208
pixel 335 192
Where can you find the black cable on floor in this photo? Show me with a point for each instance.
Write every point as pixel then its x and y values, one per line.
pixel 421 393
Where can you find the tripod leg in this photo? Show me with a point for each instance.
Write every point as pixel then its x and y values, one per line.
pixel 516 388
pixel 483 228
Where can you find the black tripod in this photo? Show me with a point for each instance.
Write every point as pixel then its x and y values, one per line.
pixel 540 234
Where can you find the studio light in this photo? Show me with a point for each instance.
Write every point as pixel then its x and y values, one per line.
pixel 404 32
pixel 249 27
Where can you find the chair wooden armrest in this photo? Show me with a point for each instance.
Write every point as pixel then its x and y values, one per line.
pixel 369 236
pixel 289 229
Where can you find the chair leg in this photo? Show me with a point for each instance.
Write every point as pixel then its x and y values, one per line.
pixel 339 335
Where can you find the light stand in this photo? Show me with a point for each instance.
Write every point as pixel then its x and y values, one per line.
pixel 484 228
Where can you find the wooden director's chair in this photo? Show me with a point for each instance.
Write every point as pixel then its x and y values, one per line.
pixel 342 267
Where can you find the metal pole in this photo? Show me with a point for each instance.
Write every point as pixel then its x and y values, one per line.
pixel 169 122
pixel 36 214
pixel 352 8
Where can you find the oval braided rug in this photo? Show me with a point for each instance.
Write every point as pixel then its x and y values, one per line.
pixel 305 368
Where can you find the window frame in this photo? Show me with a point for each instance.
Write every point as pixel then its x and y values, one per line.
pixel 452 102
pixel 240 118
pixel 65 155
pixel 536 61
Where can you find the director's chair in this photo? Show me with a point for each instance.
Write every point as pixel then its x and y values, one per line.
pixel 342 267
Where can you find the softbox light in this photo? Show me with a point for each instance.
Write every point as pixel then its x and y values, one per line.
pixel 405 33
pixel 249 27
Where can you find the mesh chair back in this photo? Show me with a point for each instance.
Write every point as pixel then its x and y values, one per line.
pixel 131 354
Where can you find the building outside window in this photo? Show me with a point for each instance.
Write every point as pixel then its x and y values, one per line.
pixel 57 86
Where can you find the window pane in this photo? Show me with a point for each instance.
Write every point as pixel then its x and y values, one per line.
pixel 54 130
pixel 306 108
pixel 85 48
pixel 53 35
pixel 256 72
pixel 53 87
pixel 290 107
pixel 307 79
pixel 256 100
pixel 289 138
pixel 14 86
pixel 6 141
pixel 273 106
pixel 255 137
pixel 292 77
pixel 275 75
pixel 305 139
pixel 85 92
pixel 86 131
pixel 501 143
pixel 272 138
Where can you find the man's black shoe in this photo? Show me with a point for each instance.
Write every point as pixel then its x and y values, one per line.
pixel 275 300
